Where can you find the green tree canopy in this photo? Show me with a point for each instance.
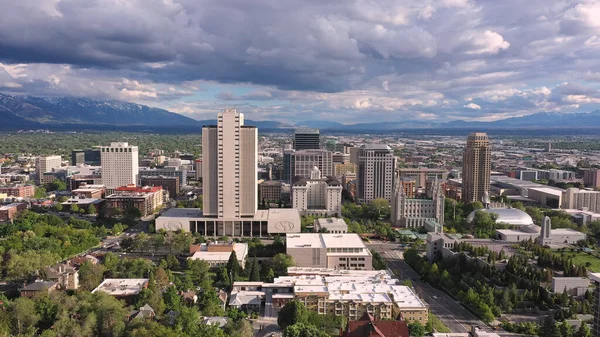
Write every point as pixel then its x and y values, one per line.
pixel 292 313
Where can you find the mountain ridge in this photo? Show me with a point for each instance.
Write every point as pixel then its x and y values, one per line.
pixel 39 112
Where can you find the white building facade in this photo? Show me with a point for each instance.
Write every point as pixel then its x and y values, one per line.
pixel 317 195
pixel 376 166
pixel 229 166
pixel 120 165
pixel 47 164
pixel 414 213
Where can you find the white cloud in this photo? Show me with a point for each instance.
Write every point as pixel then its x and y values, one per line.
pixel 472 106
pixel 354 61
pixel 487 42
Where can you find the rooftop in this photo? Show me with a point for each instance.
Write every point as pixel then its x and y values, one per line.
pixel 324 240
pixel 332 223
pixel 376 147
pixel 241 251
pixel 510 216
pixel 122 287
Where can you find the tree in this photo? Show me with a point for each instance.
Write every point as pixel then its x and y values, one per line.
pixel 270 276
pixel 548 328
pixel 280 263
pixel 255 271
pixel 583 331
pixel 58 207
pixel 416 329
pixel 172 299
pixel 131 214
pixel 56 185
pixel 565 329
pixel 110 313
pixel 161 277
pixel 303 330
pixel 91 209
pixel 23 314
pixel 222 280
pixel 90 275
pixel 292 313
pixel 198 270
pixel 40 192
pixel 239 328
pixel 379 209
pixel 74 208
pixel 233 267
pixel 117 228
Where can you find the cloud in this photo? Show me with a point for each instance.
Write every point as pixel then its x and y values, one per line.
pixel 472 106
pixel 353 60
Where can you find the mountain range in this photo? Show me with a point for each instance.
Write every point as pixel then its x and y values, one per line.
pixel 18 112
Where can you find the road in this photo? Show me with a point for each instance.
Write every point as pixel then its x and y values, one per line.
pixel 449 311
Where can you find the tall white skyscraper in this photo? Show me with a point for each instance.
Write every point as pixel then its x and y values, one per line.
pixel 46 164
pixel 119 165
pixel 229 167
pixel 376 167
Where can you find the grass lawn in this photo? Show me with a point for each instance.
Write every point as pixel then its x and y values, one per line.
pixel 437 324
pixel 591 262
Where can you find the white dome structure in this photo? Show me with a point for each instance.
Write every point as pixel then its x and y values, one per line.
pixel 511 216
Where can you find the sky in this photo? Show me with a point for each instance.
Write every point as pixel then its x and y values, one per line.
pixel 350 61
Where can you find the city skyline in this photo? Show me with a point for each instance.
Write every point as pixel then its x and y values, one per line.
pixel 353 61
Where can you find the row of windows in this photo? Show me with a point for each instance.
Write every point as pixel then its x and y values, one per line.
pixel 119 149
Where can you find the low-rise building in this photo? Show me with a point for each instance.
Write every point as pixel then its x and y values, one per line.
pixel 90 191
pixel 168 171
pixel 147 199
pixel 18 191
pixel 122 287
pixel 170 184
pixel 65 275
pixel 317 195
pixel 322 250
pixel 38 287
pixel 217 253
pixel 332 225
pixel 10 211
pixel 263 224
pixel 574 286
pixel 368 326
pixel 82 203
pixel 336 292
pixel 75 181
pixel 345 168
pixel 270 190
pixel 581 216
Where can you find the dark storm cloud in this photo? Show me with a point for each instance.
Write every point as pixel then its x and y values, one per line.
pixel 386 58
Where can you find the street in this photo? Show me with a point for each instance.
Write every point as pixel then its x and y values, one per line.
pixel 450 312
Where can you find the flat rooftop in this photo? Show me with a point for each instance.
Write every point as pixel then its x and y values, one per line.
pixel 241 251
pixel 324 240
pixel 594 277
pixel 332 223
pixel 122 286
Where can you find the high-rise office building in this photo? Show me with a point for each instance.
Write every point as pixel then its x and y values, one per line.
pixel 46 164
pixel 376 167
pixel 477 165
pixel 120 165
pixel 229 174
pixel 306 139
pixel 301 163
pixel 229 167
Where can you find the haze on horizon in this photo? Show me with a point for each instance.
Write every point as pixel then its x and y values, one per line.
pixel 348 61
